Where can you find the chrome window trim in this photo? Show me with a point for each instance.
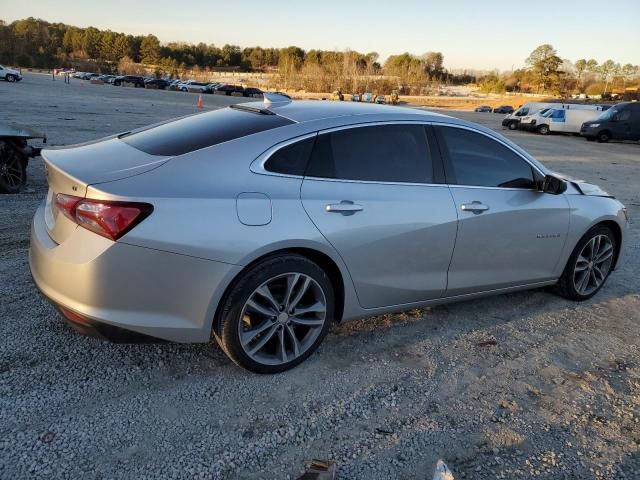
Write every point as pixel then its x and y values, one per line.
pixel 257 166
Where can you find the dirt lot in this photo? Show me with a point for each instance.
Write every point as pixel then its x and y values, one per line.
pixel 517 386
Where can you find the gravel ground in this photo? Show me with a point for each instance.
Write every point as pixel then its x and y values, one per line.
pixel 516 386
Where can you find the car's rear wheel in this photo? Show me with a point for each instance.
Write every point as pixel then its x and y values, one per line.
pixel 604 137
pixel 276 314
pixel 13 171
pixel 543 129
pixel 589 265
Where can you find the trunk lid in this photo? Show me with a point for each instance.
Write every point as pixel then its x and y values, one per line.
pixel 71 170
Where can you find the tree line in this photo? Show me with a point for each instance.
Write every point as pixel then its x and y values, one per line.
pixel 37 43
pixel 547 72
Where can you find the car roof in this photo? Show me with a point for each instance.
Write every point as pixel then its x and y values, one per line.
pixel 301 111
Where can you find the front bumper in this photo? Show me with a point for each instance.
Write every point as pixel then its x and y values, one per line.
pixel 114 286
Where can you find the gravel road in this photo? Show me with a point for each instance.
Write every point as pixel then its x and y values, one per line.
pixel 524 385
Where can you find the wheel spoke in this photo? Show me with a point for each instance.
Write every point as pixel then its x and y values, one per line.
pixel 249 336
pixel 263 340
pixel 582 283
pixel 301 291
pixel 266 293
pixel 598 275
pixel 316 307
pixel 294 341
pixel 260 309
pixel 307 322
pixel 604 254
pixel 581 264
pixel 595 246
pixel 282 349
pixel 291 282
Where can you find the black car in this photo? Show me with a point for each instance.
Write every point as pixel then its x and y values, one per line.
pixel 503 109
pixel 252 92
pixel 229 89
pixel 137 82
pixel 156 83
pixel 620 122
pixel 483 108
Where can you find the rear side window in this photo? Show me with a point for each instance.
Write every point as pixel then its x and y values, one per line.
pixel 292 159
pixel 385 153
pixel 477 160
pixel 202 130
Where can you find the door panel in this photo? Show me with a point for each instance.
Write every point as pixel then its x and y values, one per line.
pixel 516 240
pixel 395 239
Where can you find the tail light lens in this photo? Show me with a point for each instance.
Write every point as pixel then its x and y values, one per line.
pixel 111 219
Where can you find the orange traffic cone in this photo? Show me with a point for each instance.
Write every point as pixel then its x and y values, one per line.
pixel 199 101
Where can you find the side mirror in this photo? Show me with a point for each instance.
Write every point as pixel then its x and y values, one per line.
pixel 553 185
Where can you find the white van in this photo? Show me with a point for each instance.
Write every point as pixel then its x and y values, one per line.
pixel 512 121
pixel 561 119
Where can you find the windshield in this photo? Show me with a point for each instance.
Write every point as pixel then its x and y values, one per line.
pixel 609 114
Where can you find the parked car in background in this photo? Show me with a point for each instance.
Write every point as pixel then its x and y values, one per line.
pixel 380 100
pixel 367 97
pixel 261 224
pixel 229 89
pixel 211 87
pixel 174 85
pixel 252 92
pixel 620 122
pixel 9 74
pixel 355 97
pixel 483 108
pixel 503 109
pixel 193 86
pixel 129 80
pixel 559 120
pixel 156 83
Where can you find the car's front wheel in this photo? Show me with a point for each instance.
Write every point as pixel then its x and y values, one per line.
pixel 276 314
pixel 604 137
pixel 543 129
pixel 513 125
pixel 10 78
pixel 589 265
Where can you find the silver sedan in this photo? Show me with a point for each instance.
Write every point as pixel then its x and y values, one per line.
pixel 262 223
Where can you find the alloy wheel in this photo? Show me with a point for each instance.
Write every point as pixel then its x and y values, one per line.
pixel 282 318
pixel 593 264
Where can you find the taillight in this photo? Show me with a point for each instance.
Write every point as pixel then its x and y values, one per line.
pixel 111 219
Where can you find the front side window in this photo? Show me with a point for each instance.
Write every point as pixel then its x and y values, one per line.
pixel 477 160
pixel 384 153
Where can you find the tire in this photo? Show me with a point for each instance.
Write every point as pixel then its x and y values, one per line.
pixel 604 137
pixel 10 78
pixel 543 129
pixel 569 285
pixel 512 125
pixel 13 168
pixel 274 328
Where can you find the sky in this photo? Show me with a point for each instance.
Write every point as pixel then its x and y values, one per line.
pixel 470 34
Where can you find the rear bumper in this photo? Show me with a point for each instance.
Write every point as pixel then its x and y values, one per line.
pixel 124 292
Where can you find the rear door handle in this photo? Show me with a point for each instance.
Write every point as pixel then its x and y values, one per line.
pixel 345 207
pixel 474 207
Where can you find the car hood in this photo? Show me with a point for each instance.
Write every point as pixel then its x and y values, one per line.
pixel 11 70
pixel 585 188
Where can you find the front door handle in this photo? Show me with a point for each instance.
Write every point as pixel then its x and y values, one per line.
pixel 345 207
pixel 474 207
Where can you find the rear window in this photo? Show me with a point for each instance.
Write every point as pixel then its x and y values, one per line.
pixel 200 131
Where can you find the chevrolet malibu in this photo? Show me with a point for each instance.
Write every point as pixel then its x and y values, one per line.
pixel 262 223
